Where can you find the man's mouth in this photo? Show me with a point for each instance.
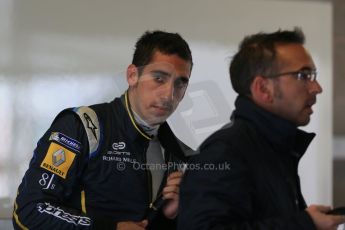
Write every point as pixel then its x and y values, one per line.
pixel 310 103
pixel 164 109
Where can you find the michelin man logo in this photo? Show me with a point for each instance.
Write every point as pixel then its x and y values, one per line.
pixel 54 136
pixel 59 157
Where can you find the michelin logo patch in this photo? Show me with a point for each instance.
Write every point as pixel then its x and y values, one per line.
pixel 66 141
pixel 58 160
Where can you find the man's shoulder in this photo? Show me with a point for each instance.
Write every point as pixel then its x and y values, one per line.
pixel 233 141
pixel 99 107
pixel 89 119
pixel 231 133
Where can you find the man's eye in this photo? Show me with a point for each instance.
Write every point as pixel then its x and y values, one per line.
pixel 181 83
pixel 303 75
pixel 159 77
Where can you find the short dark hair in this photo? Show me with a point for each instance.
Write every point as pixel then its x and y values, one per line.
pixel 257 56
pixel 164 42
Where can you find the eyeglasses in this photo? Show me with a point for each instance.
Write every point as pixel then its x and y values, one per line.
pixel 302 75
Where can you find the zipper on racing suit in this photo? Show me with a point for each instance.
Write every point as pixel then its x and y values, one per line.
pixel 148 179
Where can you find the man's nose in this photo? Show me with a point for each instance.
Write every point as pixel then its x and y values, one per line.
pixel 315 88
pixel 167 91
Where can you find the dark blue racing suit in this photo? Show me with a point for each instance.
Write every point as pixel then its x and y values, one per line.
pixel 87 172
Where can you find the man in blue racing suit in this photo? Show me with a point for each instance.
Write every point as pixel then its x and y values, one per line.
pixel 114 165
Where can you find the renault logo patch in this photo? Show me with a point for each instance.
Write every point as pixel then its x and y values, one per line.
pixel 58 157
pixel 58 160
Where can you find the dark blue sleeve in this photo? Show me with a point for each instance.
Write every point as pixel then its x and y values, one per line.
pixel 221 199
pixel 49 196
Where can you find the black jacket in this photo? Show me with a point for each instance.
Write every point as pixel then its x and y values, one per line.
pixel 85 172
pixel 258 188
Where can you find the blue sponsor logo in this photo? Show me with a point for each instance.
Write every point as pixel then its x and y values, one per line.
pixel 66 141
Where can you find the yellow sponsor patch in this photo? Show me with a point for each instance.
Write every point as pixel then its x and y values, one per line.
pixel 58 160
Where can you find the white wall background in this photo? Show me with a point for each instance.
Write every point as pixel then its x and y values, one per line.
pixel 57 54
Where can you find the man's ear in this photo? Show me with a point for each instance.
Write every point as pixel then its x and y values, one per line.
pixel 262 90
pixel 132 75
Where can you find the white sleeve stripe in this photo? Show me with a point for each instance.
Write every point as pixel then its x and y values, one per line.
pixel 91 125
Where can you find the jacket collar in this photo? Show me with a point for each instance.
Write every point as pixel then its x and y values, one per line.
pixel 132 131
pixel 136 133
pixel 283 135
pixel 169 141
